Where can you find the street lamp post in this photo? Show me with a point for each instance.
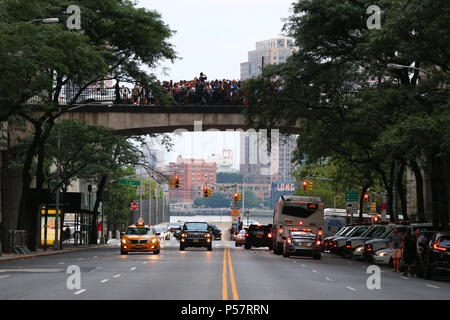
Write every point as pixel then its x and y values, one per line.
pixel 56 244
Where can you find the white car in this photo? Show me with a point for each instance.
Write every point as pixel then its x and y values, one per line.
pixel 162 232
pixel 383 256
pixel 358 253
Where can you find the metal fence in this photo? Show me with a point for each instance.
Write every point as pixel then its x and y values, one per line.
pixel 182 96
pixel 17 240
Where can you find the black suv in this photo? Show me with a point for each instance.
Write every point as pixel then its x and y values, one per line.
pixel 434 259
pixel 217 233
pixel 195 234
pixel 258 236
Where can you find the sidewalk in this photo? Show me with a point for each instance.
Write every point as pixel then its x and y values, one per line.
pixel 51 251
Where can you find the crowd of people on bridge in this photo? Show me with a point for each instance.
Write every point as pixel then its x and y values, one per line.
pixel 198 91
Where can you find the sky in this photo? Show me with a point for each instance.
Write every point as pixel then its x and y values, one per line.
pixel 214 37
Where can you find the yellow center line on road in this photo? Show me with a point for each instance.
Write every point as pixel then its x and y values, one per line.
pixel 224 277
pixel 233 282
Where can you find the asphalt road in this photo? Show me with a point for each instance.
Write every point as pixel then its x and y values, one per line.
pixel 225 273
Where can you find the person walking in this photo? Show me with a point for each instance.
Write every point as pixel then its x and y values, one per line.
pixel 409 252
pixel 395 243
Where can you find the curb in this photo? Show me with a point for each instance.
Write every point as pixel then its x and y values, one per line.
pixel 49 253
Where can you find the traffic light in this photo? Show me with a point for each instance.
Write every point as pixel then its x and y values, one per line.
pixel 210 193
pixel 366 197
pixel 237 197
pixel 309 186
pixel 305 185
pixel 205 191
pixel 374 207
pixel 177 181
pixel 172 183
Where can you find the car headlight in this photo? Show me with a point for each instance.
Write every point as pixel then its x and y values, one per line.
pixel 124 241
pixel 207 235
pixel 184 235
pixel 154 241
pixel 382 254
pixel 359 249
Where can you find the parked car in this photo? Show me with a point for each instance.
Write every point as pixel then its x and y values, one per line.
pixel 352 243
pixel 240 238
pixel 339 242
pixel 372 246
pixel 434 259
pixel 328 241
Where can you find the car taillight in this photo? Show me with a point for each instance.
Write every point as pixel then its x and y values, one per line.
pixel 437 247
pixel 289 240
pixel 318 242
pixel 269 235
pixel 247 234
pixel 300 223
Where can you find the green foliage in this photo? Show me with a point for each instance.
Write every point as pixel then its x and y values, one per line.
pixel 218 200
pixel 229 177
pixel 355 110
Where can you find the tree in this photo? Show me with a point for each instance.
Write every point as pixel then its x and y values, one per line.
pixel 229 177
pixel 340 86
pixel 116 41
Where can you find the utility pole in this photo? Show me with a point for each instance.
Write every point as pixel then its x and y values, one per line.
pixel 56 244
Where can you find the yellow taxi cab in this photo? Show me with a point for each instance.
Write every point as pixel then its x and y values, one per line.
pixel 140 238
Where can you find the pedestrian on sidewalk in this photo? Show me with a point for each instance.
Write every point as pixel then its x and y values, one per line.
pixel 409 252
pixel 395 243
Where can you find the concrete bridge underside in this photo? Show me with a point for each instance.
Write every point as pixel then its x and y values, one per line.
pixel 141 120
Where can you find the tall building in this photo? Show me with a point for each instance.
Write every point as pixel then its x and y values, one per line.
pixel 263 169
pixel 273 51
pixel 194 174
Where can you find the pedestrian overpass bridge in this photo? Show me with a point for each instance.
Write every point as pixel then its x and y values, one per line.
pixel 146 119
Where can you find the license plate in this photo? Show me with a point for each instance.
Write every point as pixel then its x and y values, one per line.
pixel 305 244
pixel 259 236
pixel 138 246
pixel 196 240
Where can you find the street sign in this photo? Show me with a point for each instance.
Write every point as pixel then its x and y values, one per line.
pixel 130 182
pixel 351 195
pixel 134 206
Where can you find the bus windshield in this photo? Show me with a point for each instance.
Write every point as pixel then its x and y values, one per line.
pixel 296 211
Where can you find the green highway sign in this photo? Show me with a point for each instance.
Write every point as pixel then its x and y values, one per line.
pixel 130 182
pixel 351 195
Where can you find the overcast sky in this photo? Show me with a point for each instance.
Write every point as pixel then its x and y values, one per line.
pixel 214 37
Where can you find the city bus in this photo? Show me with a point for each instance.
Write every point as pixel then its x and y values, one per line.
pixel 296 213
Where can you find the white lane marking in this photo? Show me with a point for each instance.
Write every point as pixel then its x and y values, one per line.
pixel 404 277
pixel 79 291
pixel 431 286
pixel 94 256
pixel 6 276
pixel 292 261
pixel 61 263
pixel 145 262
pixel 31 270
pixel 117 275
pixel 132 269
pixel 104 280
pixel 350 288
pixel 79 259
pixel 328 279
pixel 315 271
pixel 304 266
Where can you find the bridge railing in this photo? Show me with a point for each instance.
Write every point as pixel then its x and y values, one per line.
pixel 143 97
